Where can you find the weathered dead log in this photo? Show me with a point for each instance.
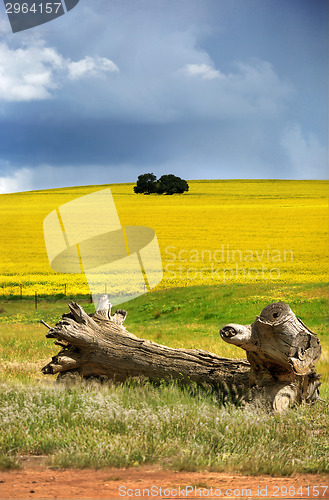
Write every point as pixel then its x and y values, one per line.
pixel 281 354
pixel 99 346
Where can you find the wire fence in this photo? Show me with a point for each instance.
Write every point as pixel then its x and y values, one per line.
pixel 36 294
pixel 40 292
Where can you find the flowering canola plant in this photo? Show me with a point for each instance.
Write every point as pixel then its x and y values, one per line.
pixel 221 231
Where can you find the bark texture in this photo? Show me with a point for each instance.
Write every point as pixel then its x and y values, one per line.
pixel 279 370
pixel 282 353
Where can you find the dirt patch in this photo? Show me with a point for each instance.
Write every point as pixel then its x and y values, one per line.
pixel 37 481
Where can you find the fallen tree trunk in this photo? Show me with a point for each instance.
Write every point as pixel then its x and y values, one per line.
pixel 282 353
pixel 99 345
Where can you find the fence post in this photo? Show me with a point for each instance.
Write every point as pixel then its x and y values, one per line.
pixel 21 291
pixel 65 289
pixel 36 299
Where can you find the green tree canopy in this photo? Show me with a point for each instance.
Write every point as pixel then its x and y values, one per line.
pixel 167 184
pixel 170 184
pixel 146 183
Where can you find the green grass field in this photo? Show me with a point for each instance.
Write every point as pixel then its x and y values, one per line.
pixel 92 425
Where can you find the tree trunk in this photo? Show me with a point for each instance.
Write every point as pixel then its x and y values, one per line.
pixel 282 353
pixel 279 370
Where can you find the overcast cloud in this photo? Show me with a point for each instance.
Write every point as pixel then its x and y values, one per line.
pixel 211 89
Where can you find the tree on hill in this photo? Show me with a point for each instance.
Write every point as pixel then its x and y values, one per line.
pixel 146 183
pixel 167 184
pixel 170 184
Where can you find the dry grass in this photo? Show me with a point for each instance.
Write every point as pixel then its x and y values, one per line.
pixel 181 428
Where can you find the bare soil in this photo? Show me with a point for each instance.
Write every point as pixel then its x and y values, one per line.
pixel 35 480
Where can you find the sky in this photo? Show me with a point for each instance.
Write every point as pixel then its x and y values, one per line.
pixel 203 89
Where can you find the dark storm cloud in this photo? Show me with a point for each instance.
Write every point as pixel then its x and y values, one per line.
pixel 202 89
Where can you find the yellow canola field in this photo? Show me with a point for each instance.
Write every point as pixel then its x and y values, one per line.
pixel 225 231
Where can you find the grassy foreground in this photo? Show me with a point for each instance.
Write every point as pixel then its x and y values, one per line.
pixel 88 425
pixel 126 426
